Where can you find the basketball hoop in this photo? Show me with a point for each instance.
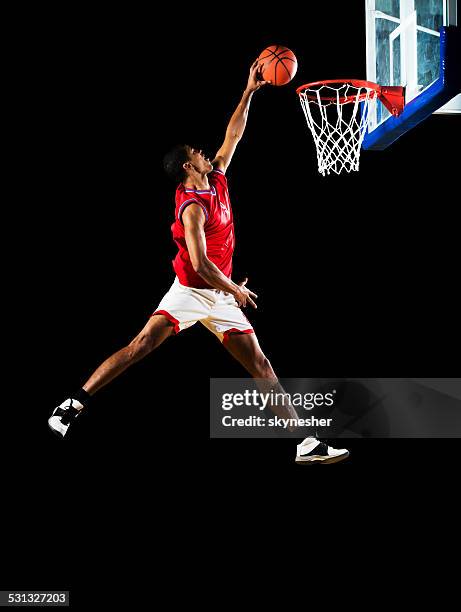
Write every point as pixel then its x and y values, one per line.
pixel 337 125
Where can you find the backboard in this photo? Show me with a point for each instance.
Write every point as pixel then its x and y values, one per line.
pixel 414 43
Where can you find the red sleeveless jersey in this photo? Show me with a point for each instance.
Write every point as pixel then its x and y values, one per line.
pixel 219 229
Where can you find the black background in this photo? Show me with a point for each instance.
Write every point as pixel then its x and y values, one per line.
pixel 356 276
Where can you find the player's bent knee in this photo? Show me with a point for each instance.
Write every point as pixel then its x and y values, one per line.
pixel 263 368
pixel 142 345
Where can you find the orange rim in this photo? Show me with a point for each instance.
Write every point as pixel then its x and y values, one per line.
pixel 345 99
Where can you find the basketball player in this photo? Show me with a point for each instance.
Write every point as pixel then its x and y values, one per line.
pixel 203 289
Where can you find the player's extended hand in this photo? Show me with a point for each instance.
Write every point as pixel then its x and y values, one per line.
pixel 244 296
pixel 255 80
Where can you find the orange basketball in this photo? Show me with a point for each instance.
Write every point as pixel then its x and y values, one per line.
pixel 280 64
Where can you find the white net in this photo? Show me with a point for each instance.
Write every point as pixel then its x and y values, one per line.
pixel 338 115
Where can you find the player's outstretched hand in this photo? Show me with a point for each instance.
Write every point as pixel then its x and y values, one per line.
pixel 255 80
pixel 244 296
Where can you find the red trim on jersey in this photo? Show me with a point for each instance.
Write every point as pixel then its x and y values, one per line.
pixel 227 333
pixel 169 317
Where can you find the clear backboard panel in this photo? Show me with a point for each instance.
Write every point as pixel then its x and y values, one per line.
pixel 413 43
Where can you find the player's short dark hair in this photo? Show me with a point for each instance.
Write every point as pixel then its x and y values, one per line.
pixel 174 160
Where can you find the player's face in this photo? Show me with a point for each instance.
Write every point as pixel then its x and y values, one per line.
pixel 201 163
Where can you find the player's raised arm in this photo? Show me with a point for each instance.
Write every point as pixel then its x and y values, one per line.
pixel 194 221
pixel 238 120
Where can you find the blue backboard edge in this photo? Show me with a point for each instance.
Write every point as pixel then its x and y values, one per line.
pixel 439 93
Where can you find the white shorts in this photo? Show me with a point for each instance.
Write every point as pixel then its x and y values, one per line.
pixel 215 309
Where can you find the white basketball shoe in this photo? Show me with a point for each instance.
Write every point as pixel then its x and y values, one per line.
pixel 312 451
pixel 59 422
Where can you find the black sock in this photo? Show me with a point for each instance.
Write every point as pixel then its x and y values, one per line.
pixel 82 396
